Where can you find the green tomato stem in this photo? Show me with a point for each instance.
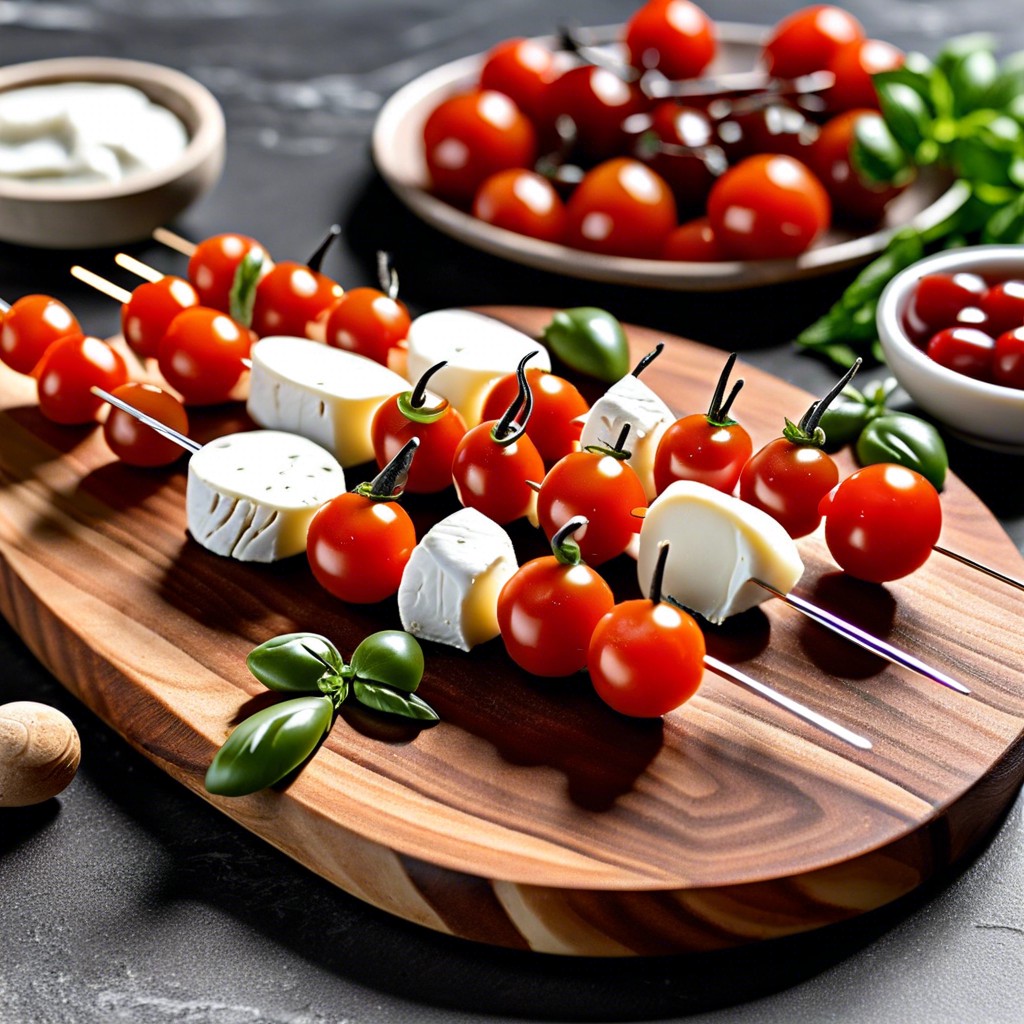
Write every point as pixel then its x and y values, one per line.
pixel 389 483
pixel 563 547
pixel 616 451
pixel 808 431
pixel 410 403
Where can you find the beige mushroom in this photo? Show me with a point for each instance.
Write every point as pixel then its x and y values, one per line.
pixel 39 753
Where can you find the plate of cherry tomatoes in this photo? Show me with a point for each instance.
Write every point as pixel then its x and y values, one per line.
pixel 576 155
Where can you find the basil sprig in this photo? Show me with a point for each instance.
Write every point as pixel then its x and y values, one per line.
pixel 964 112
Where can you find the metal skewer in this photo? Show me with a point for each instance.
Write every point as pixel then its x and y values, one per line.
pixel 972 564
pixel 161 428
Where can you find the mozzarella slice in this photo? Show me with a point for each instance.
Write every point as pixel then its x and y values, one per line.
pixel 631 401
pixel 251 495
pixel 478 350
pixel 449 590
pixel 717 544
pixel 325 394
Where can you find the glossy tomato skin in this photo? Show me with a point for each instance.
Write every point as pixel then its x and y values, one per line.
pixel 694 449
pixel 1008 359
pixel 470 136
pixel 135 443
pixel 146 316
pixel 431 470
pixel 212 267
pixel 882 522
pixel 557 404
pixel 674 36
pixel 602 488
pixel 694 242
pixel 202 353
pixel 294 300
pixel 30 326
pixel 522 69
pixel 808 39
pixel 621 208
pixel 853 64
pixel 547 613
pixel 1003 305
pixel 788 481
pixel 646 659
pixel 937 302
pixel 492 478
pixel 367 322
pixel 358 548
pixel 966 350
pixel 767 207
pixel 520 200
pixel 69 368
pixel 685 134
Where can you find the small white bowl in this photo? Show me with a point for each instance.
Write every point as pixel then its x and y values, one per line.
pixel 988 415
pixel 74 216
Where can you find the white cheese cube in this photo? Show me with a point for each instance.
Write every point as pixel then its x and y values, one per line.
pixel 252 495
pixel 449 590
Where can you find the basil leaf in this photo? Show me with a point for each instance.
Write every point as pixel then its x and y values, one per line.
pixel 380 698
pixel 906 114
pixel 392 657
pixel 876 154
pixel 960 49
pixel 972 79
pixel 242 296
pixel 294 662
pixel 1006 225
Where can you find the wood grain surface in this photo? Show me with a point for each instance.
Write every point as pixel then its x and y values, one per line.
pixel 532 816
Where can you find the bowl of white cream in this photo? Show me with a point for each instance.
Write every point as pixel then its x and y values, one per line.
pixel 99 151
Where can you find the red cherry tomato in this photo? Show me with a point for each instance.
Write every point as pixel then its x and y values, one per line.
pixel 621 208
pixel 966 350
pixel 367 322
pixel 358 547
pixel 686 152
pixel 294 300
pixel 522 69
pixel 937 301
pixel 202 355
pixel 853 64
pixel 1008 359
pixel 146 316
pixel 882 522
pixel 777 128
pixel 522 201
pixel 470 136
pixel 694 242
pixel 547 613
pixel 134 442
pixel 30 326
pixel 674 36
pixel 808 39
pixel 1003 305
pixel 69 369
pixel 768 207
pixel 646 658
pixel 212 267
pixel 553 425
pixel 600 487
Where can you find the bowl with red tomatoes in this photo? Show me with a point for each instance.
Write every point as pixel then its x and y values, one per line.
pixel 952 331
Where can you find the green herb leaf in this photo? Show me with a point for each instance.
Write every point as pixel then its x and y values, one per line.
pixel 876 155
pixel 973 79
pixel 242 297
pixel 906 440
pixel 392 657
pixel 381 698
pixel 906 114
pixel 294 662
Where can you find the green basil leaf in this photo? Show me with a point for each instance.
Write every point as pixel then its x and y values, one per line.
pixel 268 745
pixel 972 79
pixel 392 657
pixel 242 296
pixel 960 49
pixel 844 419
pixel 916 73
pixel 591 341
pixel 906 440
pixel 1006 225
pixel 979 162
pixel 380 698
pixel 294 662
pixel 906 114
pixel 876 154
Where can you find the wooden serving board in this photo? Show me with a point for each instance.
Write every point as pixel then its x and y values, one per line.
pixel 532 816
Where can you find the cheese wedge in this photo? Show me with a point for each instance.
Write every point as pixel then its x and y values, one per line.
pixel 449 590
pixel 631 401
pixel 717 543
pixel 325 394
pixel 251 495
pixel 478 349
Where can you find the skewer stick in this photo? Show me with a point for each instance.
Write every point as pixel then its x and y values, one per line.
pixel 862 638
pixel 161 428
pixel 173 241
pixel 101 284
pixel 972 564
pixel 138 268
pixel 795 707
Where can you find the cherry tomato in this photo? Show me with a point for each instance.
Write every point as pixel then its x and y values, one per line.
pixel 146 316
pixel 557 404
pixel 522 201
pixel 686 153
pixel 674 36
pixel 621 208
pixel 1008 359
pixel 1003 305
pixel 776 128
pixel 768 207
pixel 367 322
pixel 30 326
pixel 853 64
pixel 134 442
pixel 548 610
pixel 694 242
pixel 295 300
pixel 711 448
pixel 937 302
pixel 69 369
pixel 202 355
pixel 882 522
pixel 212 266
pixel 966 350
pixel 522 69
pixel 438 425
pixel 852 197
pixel 603 488
pixel 472 135
pixel 808 39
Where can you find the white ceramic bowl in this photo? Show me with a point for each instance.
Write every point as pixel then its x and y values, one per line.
pixel 985 414
pixel 72 216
